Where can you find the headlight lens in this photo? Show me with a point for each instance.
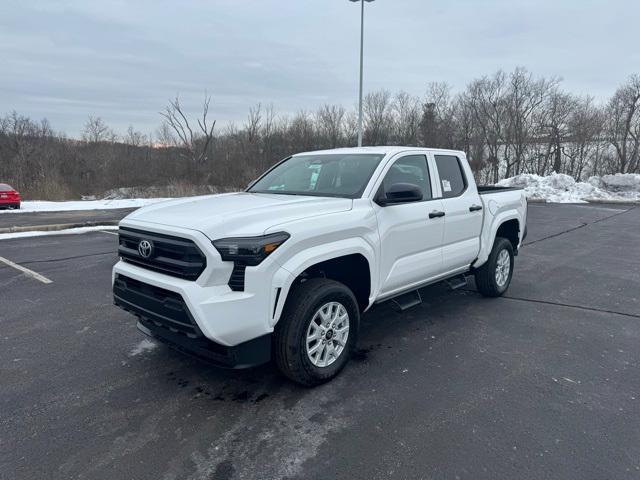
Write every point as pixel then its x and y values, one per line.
pixel 249 251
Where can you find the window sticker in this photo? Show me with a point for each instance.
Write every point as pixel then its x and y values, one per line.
pixel 446 185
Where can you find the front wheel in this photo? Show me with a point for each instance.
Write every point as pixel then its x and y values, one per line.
pixel 493 278
pixel 317 331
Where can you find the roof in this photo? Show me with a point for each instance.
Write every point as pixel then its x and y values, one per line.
pixel 383 150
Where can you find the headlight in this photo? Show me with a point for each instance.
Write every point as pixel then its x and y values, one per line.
pixel 249 251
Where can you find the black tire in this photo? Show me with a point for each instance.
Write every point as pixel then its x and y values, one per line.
pixel 289 339
pixel 486 274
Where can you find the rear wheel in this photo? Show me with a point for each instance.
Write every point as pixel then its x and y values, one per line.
pixel 317 331
pixel 493 278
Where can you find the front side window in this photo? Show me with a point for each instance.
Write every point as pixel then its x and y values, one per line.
pixel 452 179
pixel 332 175
pixel 411 169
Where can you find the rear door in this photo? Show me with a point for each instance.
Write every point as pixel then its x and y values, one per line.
pixel 463 212
pixel 410 240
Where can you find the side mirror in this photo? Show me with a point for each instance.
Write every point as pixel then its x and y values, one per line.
pixel 399 193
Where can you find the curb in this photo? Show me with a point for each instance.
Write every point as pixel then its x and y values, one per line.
pixel 59 226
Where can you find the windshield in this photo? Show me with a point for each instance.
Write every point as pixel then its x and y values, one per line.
pixel 333 175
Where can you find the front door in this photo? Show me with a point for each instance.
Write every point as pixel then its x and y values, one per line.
pixel 410 240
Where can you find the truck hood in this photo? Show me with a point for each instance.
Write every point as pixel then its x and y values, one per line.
pixel 236 214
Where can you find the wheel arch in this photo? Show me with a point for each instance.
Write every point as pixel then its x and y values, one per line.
pixel 509 229
pixel 352 265
pixel 506 224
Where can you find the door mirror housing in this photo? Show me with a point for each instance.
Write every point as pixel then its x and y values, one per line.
pixel 399 193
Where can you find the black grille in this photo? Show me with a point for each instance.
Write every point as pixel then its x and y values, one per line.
pixel 178 257
pixel 236 281
pixel 163 308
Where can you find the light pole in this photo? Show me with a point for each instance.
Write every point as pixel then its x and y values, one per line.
pixel 361 62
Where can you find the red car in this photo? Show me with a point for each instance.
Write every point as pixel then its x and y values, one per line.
pixel 9 198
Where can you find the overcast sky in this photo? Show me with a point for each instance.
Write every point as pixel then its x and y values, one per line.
pixel 122 60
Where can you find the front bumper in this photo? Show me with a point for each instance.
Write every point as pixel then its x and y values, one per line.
pixel 164 315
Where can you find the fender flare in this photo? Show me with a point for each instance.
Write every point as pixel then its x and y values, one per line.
pixel 488 241
pixel 301 261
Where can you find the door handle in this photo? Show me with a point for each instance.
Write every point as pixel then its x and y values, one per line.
pixel 475 208
pixel 436 214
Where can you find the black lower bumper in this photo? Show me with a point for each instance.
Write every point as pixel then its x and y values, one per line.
pixel 164 315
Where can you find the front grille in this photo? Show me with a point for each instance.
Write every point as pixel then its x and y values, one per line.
pixel 175 256
pixel 163 308
pixel 236 281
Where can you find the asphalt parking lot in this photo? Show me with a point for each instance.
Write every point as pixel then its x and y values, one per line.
pixel 540 384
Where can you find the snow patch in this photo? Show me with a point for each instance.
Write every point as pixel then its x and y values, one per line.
pixel 145 345
pixel 45 206
pixel 561 188
pixel 69 231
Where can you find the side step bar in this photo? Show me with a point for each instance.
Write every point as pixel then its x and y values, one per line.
pixel 457 282
pixel 413 298
pixel 406 301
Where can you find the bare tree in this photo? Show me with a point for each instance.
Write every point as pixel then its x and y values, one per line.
pixel 406 119
pixel 254 120
pixel 623 125
pixel 555 130
pixel 486 100
pixel 134 137
pixel 585 146
pixel 96 130
pixel 436 123
pixel 165 136
pixel 378 117
pixel 195 140
pixel 524 99
pixel 330 119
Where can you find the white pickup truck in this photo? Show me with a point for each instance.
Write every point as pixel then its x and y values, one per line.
pixel 285 269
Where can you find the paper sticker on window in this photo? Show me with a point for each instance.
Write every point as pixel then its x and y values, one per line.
pixel 446 185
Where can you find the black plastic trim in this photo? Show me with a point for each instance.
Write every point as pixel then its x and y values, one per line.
pixel 173 256
pixel 164 315
pixel 244 355
pixel 162 307
pixel 236 280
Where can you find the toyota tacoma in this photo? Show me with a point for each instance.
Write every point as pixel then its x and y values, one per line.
pixel 285 269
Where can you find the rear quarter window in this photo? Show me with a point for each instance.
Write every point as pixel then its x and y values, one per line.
pixel 452 179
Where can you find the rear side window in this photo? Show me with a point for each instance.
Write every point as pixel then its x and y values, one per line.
pixel 410 169
pixel 452 180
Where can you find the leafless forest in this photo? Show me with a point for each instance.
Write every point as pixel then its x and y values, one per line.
pixel 508 123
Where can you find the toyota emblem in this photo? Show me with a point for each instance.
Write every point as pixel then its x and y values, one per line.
pixel 145 248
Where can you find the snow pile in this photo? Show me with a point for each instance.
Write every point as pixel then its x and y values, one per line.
pixel 620 182
pixel 45 206
pixel 561 188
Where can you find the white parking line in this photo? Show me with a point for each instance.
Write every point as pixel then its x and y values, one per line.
pixel 26 271
pixel 110 233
